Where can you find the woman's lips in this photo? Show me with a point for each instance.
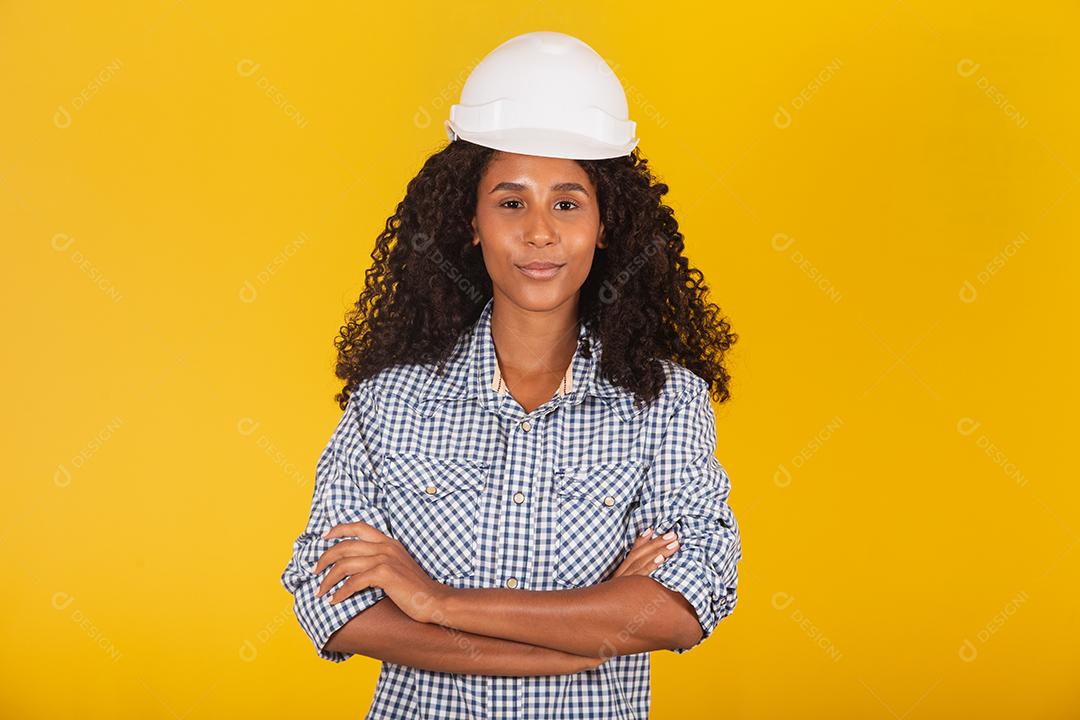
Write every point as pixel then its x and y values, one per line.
pixel 538 271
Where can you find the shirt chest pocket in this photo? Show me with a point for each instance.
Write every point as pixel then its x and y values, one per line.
pixel 432 505
pixel 592 509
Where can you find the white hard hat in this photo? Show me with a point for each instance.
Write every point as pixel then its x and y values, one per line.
pixel 544 93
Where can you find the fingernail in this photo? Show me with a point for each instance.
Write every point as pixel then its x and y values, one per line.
pixel 313 572
pixel 670 535
pixel 659 559
pixel 648 531
pixel 672 545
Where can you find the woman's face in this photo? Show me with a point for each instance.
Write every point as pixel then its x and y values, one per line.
pixel 531 210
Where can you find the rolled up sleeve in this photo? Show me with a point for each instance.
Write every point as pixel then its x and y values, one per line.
pixel 344 492
pixel 687 492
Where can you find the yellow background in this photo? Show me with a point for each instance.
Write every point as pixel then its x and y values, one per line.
pixel 882 196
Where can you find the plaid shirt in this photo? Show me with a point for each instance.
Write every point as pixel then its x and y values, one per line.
pixel 483 494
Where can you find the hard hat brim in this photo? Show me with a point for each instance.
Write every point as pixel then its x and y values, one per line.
pixel 544 142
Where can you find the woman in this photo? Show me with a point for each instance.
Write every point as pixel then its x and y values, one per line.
pixel 524 466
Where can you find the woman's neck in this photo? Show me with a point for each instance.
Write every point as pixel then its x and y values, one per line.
pixel 534 347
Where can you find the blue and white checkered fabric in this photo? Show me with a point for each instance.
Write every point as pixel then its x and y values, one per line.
pixel 483 494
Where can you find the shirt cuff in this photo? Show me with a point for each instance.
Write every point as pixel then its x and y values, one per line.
pixel 320 619
pixel 687 574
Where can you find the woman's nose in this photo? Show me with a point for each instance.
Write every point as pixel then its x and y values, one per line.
pixel 541 229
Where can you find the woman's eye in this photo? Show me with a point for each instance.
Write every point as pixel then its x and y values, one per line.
pixel 560 202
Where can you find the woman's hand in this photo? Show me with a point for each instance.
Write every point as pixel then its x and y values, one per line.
pixel 647 554
pixel 375 560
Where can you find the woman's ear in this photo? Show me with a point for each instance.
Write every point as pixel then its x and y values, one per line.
pixel 475 232
pixel 600 242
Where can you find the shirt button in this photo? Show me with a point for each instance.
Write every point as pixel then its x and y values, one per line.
pixel 609 501
pixel 526 425
pixel 511 582
pixel 519 498
pixel 431 490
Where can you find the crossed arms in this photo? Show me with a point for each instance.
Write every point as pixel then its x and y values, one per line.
pixel 521 632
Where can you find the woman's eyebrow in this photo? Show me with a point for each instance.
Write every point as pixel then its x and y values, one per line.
pixel 557 187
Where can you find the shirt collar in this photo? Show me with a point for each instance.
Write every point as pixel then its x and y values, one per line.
pixel 470 372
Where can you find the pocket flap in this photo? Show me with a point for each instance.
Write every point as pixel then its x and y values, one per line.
pixel 433 476
pixel 611 483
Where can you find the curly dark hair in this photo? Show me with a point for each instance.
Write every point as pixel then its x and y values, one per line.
pixel 428 282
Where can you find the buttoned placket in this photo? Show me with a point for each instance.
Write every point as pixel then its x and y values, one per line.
pixel 529 462
pixel 526 441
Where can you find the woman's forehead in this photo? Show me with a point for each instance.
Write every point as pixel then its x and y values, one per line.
pixel 534 170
